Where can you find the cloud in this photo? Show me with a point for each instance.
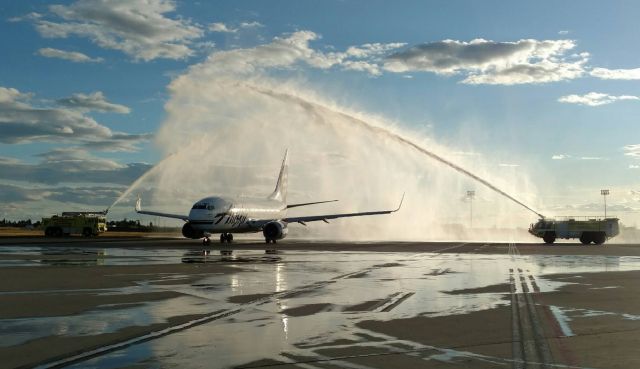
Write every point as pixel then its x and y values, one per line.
pixel 92 195
pixel 632 150
pixel 11 193
pixel 31 16
pixel 490 62
pixel 93 102
pixel 361 66
pixel 22 122
pixel 605 73
pixel 253 24
pixel 71 165
pixel 560 157
pixel 506 165
pixel 591 158
pixel 73 56
pixel 563 32
pixel 223 28
pixel 595 99
pixel 634 166
pixel 139 28
pixel 287 51
pixel 368 50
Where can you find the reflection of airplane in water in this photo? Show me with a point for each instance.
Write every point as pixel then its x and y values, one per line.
pixel 267 215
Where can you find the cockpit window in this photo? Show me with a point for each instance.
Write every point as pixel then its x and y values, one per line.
pixel 210 207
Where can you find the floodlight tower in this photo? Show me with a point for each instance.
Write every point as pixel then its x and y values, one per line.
pixel 604 194
pixel 470 196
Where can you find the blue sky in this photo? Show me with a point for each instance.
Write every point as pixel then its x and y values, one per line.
pixel 551 87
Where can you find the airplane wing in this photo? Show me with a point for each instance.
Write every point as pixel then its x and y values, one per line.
pixel 325 218
pixel 308 203
pixel 154 213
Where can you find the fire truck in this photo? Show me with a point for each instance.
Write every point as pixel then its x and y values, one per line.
pixel 586 229
pixel 85 223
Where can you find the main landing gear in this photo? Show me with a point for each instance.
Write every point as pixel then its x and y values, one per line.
pixel 273 250
pixel 224 237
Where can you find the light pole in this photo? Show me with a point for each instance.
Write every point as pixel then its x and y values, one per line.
pixel 470 196
pixel 604 194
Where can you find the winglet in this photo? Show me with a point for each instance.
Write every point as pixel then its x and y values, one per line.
pixel 139 204
pixel 400 205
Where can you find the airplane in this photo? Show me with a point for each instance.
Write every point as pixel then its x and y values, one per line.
pixel 227 216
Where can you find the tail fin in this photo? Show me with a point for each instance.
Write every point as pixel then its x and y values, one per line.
pixel 280 193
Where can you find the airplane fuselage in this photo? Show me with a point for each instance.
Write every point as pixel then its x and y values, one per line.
pixel 240 215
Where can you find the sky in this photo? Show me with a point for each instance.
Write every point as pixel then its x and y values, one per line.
pixel 545 89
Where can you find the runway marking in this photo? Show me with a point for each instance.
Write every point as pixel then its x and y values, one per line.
pixel 529 342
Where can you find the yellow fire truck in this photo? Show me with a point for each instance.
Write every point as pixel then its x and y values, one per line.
pixel 86 223
pixel 587 229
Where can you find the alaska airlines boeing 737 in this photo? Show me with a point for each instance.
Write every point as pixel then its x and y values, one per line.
pixel 267 215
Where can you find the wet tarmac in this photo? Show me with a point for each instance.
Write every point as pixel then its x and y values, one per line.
pixel 448 305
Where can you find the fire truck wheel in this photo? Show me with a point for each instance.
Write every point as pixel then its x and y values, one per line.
pixel 549 237
pixel 585 238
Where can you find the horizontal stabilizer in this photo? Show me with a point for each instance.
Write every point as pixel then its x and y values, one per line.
pixel 157 214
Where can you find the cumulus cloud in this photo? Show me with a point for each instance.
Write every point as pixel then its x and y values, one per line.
pixel 139 28
pixel 73 56
pixel 632 150
pixel 595 99
pixel 560 156
pixel 490 62
pixel 71 165
pixel 292 49
pixel 95 101
pixel 605 73
pixel 23 122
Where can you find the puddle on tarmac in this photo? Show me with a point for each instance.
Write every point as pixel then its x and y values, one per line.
pixel 76 256
pixel 310 280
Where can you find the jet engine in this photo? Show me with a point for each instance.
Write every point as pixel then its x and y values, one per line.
pixel 275 230
pixel 190 232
